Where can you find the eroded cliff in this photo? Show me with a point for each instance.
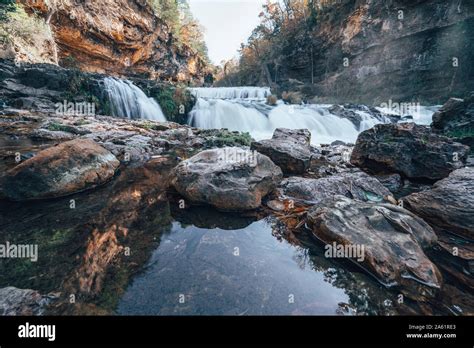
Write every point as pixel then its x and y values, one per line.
pixel 399 49
pixel 118 37
pixel 366 51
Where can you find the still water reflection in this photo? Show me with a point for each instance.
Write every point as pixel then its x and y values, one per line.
pixel 198 271
pixel 126 248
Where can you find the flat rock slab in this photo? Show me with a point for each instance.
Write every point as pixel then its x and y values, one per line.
pixel 289 149
pixel 357 185
pixel 449 205
pixel 408 149
pixel 393 239
pixel 60 170
pixel 230 178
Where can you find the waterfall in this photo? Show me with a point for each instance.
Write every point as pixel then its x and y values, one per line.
pixel 127 100
pixel 244 109
pixel 231 92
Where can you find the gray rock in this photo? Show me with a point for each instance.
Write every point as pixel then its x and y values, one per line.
pixel 288 149
pixel 230 178
pixel 392 238
pixel 45 134
pixel 357 185
pixel 408 149
pixel 392 182
pixel 14 301
pixel 342 112
pixel 449 205
pixel 456 119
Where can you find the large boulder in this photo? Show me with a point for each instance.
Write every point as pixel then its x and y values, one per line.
pixel 357 185
pixel 449 205
pixel 392 238
pixel 230 178
pixel 456 119
pixel 289 149
pixel 60 170
pixel 408 149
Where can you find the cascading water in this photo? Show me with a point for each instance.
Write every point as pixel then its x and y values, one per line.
pixel 232 92
pixel 127 100
pixel 244 109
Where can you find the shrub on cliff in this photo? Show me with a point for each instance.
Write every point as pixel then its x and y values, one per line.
pixel 24 37
pixel 185 29
pixel 175 102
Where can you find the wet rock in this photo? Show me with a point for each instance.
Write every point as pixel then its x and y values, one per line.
pixel 408 149
pixel 392 237
pixel 449 205
pixel 288 149
pixel 356 185
pixel 456 257
pixel 456 119
pixel 330 159
pixel 61 170
pixel 392 182
pixel 276 205
pixel 44 134
pixel 350 115
pixel 229 178
pixel 14 301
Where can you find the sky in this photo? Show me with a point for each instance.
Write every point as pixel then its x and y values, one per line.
pixel 227 24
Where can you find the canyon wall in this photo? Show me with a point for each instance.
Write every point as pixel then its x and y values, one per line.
pixel 373 51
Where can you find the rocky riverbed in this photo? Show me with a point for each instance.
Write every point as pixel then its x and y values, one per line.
pixel 227 225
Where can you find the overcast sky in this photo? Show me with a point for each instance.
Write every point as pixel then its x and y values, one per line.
pixel 228 23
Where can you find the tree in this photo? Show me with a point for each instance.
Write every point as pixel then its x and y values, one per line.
pixel 282 40
pixel 185 29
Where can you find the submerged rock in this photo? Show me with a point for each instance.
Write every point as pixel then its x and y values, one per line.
pixel 289 149
pixel 230 178
pixel 408 149
pixel 392 238
pixel 357 185
pixel 449 204
pixel 60 170
pixel 14 301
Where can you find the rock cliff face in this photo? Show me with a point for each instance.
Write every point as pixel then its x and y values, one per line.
pixel 401 50
pixel 117 37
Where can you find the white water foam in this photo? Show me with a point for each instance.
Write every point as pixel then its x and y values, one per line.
pixel 127 100
pixel 244 109
pixel 231 92
pixel 421 114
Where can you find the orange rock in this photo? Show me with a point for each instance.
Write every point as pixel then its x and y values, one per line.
pixel 61 170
